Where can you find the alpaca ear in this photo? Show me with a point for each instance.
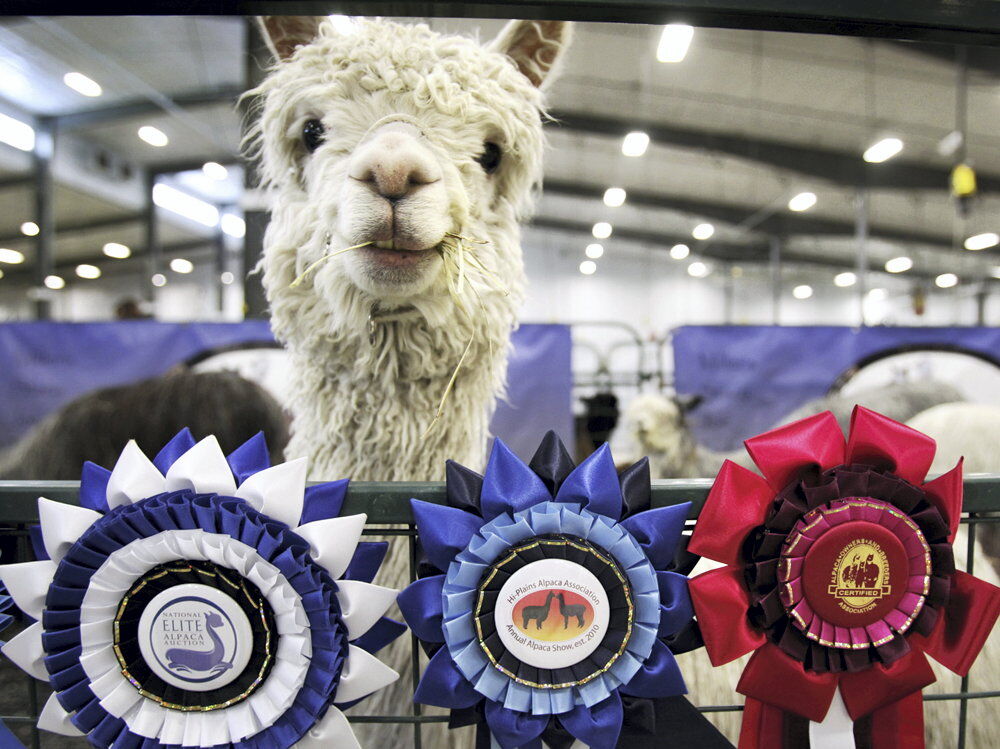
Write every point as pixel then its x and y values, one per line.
pixel 285 34
pixel 536 47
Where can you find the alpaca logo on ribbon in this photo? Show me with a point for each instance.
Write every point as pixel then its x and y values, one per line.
pixel 195 639
pixel 860 576
pixel 553 614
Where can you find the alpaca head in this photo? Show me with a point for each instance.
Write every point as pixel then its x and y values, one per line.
pixel 396 136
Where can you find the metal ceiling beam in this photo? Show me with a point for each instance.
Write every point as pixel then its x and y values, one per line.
pixel 781 222
pixel 828 164
pixel 142 106
pixel 110 222
pixel 10 183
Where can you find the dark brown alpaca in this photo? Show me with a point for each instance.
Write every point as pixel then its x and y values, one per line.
pixel 538 613
pixel 575 609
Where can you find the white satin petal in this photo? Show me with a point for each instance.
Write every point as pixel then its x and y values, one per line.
pixel 28 584
pixel 56 720
pixel 203 469
pixel 363 674
pixel 333 541
pixel 27 653
pixel 62 525
pixel 134 477
pixel 362 604
pixel 837 729
pixel 278 491
pixel 332 731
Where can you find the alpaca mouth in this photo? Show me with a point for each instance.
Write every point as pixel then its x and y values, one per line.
pixel 386 254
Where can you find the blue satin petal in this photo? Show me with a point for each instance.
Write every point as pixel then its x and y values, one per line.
pixel 421 605
pixel 249 458
pixel 94 487
pixel 37 542
pixel 675 602
pixel 513 730
pixel 8 740
pixel 323 501
pixel 180 444
pixel 594 484
pixel 367 559
pixel 598 726
pixel 444 531
pixel 508 484
pixel 443 685
pixel 658 677
pixel 658 532
pixel 383 632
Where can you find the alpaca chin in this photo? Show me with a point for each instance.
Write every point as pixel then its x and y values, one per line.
pixel 393 275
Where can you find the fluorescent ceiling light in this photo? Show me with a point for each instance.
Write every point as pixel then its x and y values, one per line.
pixel 898 264
pixel 233 225
pixel 802 292
pixel 55 282
pixel 153 136
pixel 698 269
pixel 82 84
pixel 15 133
pixel 635 144
pixel 588 267
pixel 159 279
pixel 601 230
pixel 674 42
pixel 181 265
pixel 185 204
pixel 594 251
pixel 227 277
pixel 946 280
pixel 13 257
pixel 116 250
pixel 85 270
pixel 845 279
pixel 883 150
pixel 802 202
pixel 680 251
pixel 215 170
pixel 614 197
pixel 703 231
pixel 29 229
pixel 982 241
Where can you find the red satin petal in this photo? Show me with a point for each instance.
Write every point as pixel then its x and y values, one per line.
pixel 879 441
pixel 721 603
pixel 785 453
pixel 945 492
pixel 737 503
pixel 964 625
pixel 878 686
pixel 779 680
pixel 763 726
pixel 900 724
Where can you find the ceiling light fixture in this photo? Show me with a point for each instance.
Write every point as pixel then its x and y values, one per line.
pixel 674 42
pixel 614 197
pixel 12 257
pixel 181 265
pixel 159 279
pixel 588 267
pixel 153 136
pixel 214 170
pixel 982 241
pixel 86 270
pixel 227 277
pixel 594 251
pixel 946 280
pixel 698 269
pixel 680 251
pixel 29 229
pixel 884 150
pixel 55 282
pixel 82 84
pixel 601 230
pixel 845 279
pixel 703 231
pixel 233 225
pixel 116 250
pixel 185 204
pixel 878 294
pixel 802 202
pixel 15 133
pixel 803 291
pixel 898 264
pixel 635 144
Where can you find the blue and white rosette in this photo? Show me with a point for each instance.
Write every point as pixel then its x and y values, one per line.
pixel 202 600
pixel 550 606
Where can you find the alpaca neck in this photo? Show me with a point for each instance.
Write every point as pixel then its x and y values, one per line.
pixel 219 648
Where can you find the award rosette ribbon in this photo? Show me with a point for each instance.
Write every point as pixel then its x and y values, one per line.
pixel 544 606
pixel 202 600
pixel 840 580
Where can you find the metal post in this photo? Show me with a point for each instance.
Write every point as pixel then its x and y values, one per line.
pixel 45 242
pixel 219 244
pixel 154 252
pixel 257 60
pixel 728 292
pixel 861 239
pixel 776 280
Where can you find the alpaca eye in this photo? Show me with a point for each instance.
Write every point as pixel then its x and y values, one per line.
pixel 312 134
pixel 489 160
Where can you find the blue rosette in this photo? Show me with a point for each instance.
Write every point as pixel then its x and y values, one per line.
pixel 554 597
pixel 202 600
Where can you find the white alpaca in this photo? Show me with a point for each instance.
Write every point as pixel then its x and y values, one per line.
pixel 400 137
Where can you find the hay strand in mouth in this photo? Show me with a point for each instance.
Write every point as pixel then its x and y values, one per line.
pixel 312 266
